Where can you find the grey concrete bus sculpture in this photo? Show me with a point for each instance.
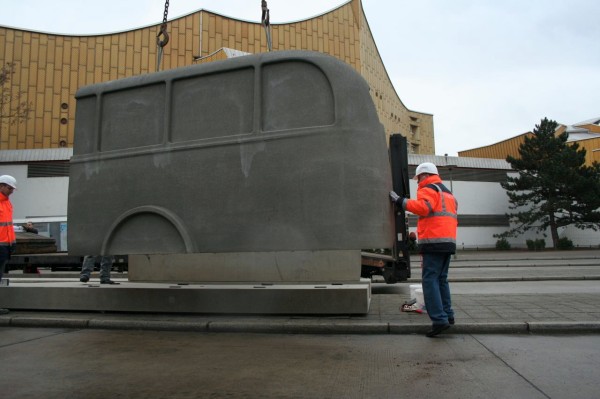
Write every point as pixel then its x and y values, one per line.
pixel 281 151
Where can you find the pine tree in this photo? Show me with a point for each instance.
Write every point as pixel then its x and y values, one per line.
pixel 554 187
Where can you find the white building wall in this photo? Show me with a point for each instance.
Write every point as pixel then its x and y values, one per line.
pixel 478 237
pixel 42 200
pixel 581 238
pixel 37 198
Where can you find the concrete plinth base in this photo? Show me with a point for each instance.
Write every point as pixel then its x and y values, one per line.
pixel 292 282
pixel 248 267
pixel 190 298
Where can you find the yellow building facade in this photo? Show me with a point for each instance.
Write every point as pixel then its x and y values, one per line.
pixel 585 134
pixel 498 150
pixel 49 68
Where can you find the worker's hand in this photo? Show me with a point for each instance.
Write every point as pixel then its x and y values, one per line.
pixel 393 196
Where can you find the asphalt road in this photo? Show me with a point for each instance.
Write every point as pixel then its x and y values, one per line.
pixel 91 363
pixel 58 363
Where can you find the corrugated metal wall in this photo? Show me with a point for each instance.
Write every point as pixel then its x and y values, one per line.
pixel 499 150
pixel 511 147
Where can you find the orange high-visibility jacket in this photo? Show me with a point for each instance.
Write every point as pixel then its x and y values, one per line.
pixel 437 210
pixel 7 233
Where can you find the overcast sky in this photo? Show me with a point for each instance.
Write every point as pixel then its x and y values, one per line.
pixel 486 69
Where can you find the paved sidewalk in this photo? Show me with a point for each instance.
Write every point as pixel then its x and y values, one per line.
pixel 475 313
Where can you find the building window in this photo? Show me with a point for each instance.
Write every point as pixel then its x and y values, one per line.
pixel 414 130
pixel 48 169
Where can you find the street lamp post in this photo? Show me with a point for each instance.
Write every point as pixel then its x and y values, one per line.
pixel 450 166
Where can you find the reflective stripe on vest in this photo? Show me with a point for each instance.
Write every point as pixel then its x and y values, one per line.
pixel 444 211
pixel 437 240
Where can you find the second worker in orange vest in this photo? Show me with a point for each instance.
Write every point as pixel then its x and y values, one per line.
pixel 436 232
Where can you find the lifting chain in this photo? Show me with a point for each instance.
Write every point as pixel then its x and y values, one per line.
pixel 161 43
pixel 265 19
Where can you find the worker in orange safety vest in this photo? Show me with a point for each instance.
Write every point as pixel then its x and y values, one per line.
pixel 8 241
pixel 436 232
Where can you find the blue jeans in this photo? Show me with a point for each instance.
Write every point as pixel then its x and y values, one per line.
pixel 4 258
pixel 436 289
pixel 106 263
pixel 3 263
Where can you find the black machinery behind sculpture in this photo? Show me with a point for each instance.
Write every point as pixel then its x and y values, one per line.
pixel 280 151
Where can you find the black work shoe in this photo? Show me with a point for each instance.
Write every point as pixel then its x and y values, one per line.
pixel 450 321
pixel 4 311
pixel 436 329
pixel 109 282
pixel 84 279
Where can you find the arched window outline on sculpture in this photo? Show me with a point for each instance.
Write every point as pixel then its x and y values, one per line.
pixel 166 218
pixel 306 88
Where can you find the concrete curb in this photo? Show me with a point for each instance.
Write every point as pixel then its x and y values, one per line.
pixel 490 328
pixel 148 325
pixel 524 278
pixel 564 327
pixel 302 326
pixel 477 264
pixel 48 322
pixel 510 279
pixel 412 280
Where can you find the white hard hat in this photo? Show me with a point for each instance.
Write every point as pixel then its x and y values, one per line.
pixel 426 167
pixel 11 181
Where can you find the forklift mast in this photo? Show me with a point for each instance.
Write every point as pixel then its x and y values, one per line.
pixel 400 181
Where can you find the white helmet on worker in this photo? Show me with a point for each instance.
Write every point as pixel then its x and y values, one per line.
pixel 426 167
pixel 11 181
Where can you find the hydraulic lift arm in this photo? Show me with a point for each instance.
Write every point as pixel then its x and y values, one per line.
pixel 399 163
pixel 396 267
